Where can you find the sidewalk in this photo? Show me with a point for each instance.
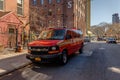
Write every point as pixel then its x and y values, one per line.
pixel 12 61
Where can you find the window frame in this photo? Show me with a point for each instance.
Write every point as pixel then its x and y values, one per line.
pixel 42 2
pixel 50 12
pixel 0 30
pixel 3 1
pixel 50 1
pixel 20 7
pixel 34 2
pixel 58 1
pixel 11 31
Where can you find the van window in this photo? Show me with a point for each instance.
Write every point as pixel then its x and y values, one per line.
pixel 52 35
pixel 68 34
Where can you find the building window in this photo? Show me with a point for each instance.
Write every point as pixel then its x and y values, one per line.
pixel 0 30
pixel 58 23
pixel 20 7
pixel 50 12
pixel 50 1
pixel 58 1
pixel 34 2
pixel 42 2
pixel 50 23
pixel 1 4
pixel 11 31
pixel 58 10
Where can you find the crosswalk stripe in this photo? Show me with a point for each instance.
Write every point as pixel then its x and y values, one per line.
pixel 87 53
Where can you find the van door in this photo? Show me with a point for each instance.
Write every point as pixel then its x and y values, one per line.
pixel 74 41
pixel 69 41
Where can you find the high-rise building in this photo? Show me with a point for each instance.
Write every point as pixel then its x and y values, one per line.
pixel 115 18
pixel 58 13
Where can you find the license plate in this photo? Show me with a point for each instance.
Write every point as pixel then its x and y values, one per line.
pixel 37 59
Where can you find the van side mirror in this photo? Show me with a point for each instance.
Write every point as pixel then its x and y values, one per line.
pixel 68 37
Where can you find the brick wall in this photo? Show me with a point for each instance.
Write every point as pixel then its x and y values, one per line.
pixel 67 13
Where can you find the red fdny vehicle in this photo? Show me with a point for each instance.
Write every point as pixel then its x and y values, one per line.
pixel 55 44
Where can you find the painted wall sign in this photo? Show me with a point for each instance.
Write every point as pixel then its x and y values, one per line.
pixel 69 4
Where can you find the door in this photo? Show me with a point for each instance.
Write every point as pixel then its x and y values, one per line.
pixel 11 36
pixel 70 45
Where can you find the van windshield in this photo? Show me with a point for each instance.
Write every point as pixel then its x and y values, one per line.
pixel 52 35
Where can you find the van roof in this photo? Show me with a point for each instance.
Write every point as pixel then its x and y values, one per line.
pixel 75 30
pixel 56 28
pixel 64 28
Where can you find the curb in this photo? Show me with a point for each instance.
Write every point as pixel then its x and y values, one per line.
pixel 12 70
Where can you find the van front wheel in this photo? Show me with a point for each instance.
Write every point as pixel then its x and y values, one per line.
pixel 81 49
pixel 64 58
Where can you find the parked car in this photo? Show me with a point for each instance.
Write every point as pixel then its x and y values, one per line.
pixel 101 39
pixel 86 39
pixel 111 40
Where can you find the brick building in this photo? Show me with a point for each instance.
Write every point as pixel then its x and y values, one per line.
pixel 58 13
pixel 9 29
pixel 20 10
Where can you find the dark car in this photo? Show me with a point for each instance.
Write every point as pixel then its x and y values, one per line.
pixel 111 40
pixel 86 39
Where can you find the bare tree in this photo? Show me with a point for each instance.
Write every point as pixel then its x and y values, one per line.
pixel 114 31
pixel 100 29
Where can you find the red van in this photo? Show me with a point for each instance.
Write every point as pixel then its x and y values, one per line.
pixel 55 45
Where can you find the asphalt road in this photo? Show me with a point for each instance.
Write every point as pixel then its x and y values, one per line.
pixel 99 61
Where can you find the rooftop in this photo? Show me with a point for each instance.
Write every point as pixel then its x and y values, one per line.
pixel 3 13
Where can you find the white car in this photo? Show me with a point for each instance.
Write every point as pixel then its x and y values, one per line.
pixel 111 40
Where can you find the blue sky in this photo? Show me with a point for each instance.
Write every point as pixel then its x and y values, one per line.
pixel 102 10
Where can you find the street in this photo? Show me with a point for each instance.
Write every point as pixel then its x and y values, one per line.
pixel 99 61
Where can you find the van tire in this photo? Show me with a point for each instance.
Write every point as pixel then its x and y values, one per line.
pixel 81 49
pixel 64 58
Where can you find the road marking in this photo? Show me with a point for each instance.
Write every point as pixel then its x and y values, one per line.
pixel 114 69
pixel 26 73
pixel 40 76
pixel 87 53
pixel 101 48
pixel 30 74
pixel 85 43
pixel 17 64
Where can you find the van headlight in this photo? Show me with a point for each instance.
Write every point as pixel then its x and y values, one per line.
pixel 53 48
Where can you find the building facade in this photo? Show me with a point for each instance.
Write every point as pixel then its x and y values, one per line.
pixel 20 8
pixel 115 18
pixel 9 29
pixel 58 13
